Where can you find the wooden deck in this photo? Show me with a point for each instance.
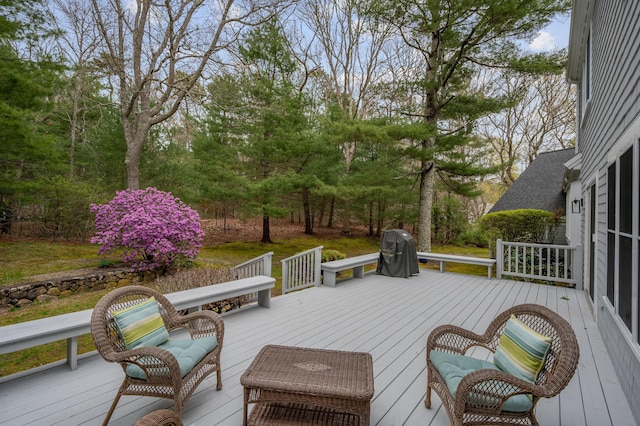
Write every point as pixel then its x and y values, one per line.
pixel 387 317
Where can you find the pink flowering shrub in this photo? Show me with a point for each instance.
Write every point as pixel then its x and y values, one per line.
pixel 153 227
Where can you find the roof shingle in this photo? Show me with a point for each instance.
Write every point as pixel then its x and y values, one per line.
pixel 539 186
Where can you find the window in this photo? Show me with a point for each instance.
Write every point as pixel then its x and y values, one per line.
pixel 623 237
pixel 587 70
pixel 585 92
pixel 611 232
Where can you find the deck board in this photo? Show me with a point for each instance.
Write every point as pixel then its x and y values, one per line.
pixel 387 317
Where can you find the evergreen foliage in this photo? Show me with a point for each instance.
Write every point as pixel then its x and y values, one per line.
pixel 525 225
pixel 331 255
pixel 276 133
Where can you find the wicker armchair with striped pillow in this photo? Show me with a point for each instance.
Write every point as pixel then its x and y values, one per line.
pixel 535 356
pixel 132 325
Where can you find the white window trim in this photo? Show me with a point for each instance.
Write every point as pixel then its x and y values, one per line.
pixel 631 138
pixel 587 76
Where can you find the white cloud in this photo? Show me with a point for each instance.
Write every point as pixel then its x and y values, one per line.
pixel 544 41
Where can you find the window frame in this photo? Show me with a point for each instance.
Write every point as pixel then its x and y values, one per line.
pixel 622 267
pixel 587 75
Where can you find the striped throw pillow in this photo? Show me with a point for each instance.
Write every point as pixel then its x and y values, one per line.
pixel 521 350
pixel 141 325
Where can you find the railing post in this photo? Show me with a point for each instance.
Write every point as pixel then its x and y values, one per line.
pixel 578 262
pixel 499 258
pixel 317 263
pixel 285 276
pixel 72 352
pixel 268 259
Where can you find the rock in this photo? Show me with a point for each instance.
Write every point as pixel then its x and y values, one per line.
pixel 23 302
pixel 54 291
pixel 35 292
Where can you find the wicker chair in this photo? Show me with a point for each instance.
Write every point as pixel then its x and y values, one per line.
pixel 480 395
pixel 161 368
pixel 160 418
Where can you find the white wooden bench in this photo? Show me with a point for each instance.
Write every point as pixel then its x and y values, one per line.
pixel 444 258
pixel 28 334
pixel 356 263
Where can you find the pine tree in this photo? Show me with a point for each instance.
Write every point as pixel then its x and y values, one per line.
pixel 453 39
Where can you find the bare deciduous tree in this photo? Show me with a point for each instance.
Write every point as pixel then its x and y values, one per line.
pixel 350 46
pixel 542 118
pixel 158 50
pixel 77 44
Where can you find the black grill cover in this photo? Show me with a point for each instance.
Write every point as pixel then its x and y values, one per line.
pixel 398 256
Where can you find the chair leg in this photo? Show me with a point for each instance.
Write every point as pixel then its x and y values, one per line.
pixel 219 376
pixel 534 421
pixel 112 409
pixel 427 401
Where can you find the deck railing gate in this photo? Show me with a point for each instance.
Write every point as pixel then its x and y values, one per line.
pixel 301 270
pixel 260 265
pixel 546 262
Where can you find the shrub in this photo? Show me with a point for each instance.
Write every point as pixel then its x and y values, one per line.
pixel 525 225
pixel 106 263
pixel 200 277
pixel 193 278
pixel 153 227
pixel 329 255
pixel 475 237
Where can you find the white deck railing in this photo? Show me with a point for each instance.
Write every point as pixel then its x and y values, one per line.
pixel 546 262
pixel 301 270
pixel 260 265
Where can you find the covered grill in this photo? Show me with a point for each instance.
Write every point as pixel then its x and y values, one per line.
pixel 398 255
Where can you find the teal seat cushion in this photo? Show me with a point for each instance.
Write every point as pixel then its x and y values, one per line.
pixel 188 353
pixel 454 367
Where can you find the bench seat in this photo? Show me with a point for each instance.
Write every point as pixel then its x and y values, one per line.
pixel 356 263
pixel 16 337
pixel 444 258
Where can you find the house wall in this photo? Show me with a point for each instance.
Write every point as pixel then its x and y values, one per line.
pixel 608 124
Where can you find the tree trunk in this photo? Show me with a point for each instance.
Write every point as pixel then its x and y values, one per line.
pixel 308 223
pixel 346 225
pixel 381 210
pixel 266 231
pixel 331 210
pixel 427 165
pixel 135 140
pixel 425 207
pixel 320 213
pixel 371 218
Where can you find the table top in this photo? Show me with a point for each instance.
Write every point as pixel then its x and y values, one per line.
pixel 320 372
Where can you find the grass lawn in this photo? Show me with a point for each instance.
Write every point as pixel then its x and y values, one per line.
pixel 20 260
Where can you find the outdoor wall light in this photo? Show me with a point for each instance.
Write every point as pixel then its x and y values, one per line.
pixel 576 205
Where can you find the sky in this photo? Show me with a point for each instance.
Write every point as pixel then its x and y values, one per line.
pixel 554 36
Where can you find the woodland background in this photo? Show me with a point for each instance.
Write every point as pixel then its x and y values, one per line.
pixel 316 113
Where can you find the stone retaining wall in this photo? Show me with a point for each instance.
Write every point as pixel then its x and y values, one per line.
pixel 99 279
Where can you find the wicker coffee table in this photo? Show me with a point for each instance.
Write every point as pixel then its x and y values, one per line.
pixel 294 386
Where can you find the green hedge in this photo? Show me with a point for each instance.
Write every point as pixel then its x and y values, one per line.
pixel 525 225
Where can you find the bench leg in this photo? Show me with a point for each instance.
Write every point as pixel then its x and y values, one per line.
pixel 264 298
pixel 72 353
pixel 358 272
pixel 329 278
pixel 490 272
pixel 442 265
